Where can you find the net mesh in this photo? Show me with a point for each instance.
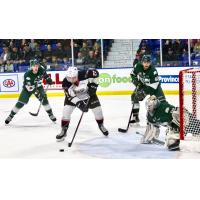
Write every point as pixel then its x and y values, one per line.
pixel 191 104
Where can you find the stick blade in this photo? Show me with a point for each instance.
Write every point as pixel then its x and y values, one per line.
pixel 122 130
pixel 33 114
pixel 69 144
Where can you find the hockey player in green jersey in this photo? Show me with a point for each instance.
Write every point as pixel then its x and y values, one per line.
pixel 33 85
pixel 145 78
pixel 162 114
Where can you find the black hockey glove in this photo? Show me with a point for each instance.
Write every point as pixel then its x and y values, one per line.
pixel 140 95
pixel 49 81
pixel 82 105
pixel 39 95
pixel 92 88
pixel 137 83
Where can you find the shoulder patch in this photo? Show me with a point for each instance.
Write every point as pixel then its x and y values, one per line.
pixel 155 72
pixel 28 78
pixel 167 110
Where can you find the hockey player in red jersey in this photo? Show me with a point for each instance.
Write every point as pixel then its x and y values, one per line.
pixel 80 91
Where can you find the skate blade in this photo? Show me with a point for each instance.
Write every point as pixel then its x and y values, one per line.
pixel 60 140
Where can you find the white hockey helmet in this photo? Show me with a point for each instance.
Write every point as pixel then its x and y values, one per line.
pixel 152 103
pixel 72 74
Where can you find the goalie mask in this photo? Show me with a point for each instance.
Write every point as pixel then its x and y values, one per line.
pixel 152 103
pixel 72 74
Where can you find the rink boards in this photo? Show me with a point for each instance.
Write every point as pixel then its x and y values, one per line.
pixel 115 81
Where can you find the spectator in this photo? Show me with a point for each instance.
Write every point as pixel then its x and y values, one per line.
pixel 91 60
pixel 15 55
pixel 66 63
pixel 48 54
pixel 80 60
pixel 170 59
pixel 27 54
pixel 137 58
pixel 84 50
pixel 184 57
pixel 76 49
pixel 142 51
pixel 177 47
pixel 54 63
pixel 15 58
pixel 156 60
pixel 37 53
pixel 96 47
pixel 167 45
pixel 59 52
pixel 97 54
pixel 9 66
pixel 5 55
pixel 32 45
pixel 67 51
pixel 2 67
pixel 197 47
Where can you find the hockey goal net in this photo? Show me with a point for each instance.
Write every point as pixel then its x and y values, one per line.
pixel 189 102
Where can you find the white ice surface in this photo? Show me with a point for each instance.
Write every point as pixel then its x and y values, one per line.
pixel 34 137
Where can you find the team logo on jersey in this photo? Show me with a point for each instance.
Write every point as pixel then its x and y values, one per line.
pixel 9 83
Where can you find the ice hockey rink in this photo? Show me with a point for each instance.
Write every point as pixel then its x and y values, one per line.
pixel 34 137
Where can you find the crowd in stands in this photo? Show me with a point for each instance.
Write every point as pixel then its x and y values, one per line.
pixel 174 51
pixel 16 54
pixel 195 51
pixel 87 53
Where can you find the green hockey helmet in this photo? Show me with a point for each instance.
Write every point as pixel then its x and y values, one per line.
pixel 146 58
pixel 34 62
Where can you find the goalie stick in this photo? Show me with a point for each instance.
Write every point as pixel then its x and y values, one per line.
pixel 36 114
pixel 155 141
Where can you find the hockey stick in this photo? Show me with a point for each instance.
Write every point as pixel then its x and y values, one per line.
pixel 155 141
pixel 36 114
pixel 70 143
pixel 129 121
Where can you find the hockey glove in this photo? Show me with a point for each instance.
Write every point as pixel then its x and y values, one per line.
pixel 140 95
pixel 39 95
pixel 92 88
pixel 49 81
pixel 82 105
pixel 137 83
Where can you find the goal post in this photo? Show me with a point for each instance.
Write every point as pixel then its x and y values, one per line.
pixel 189 103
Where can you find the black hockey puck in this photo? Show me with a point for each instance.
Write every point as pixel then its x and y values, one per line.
pixel 61 150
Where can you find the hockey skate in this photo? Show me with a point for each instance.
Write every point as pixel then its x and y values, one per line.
pixel 52 117
pixel 103 129
pixel 135 120
pixel 8 119
pixel 61 137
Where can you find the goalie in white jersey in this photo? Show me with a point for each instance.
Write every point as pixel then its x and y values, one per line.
pixel 80 91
